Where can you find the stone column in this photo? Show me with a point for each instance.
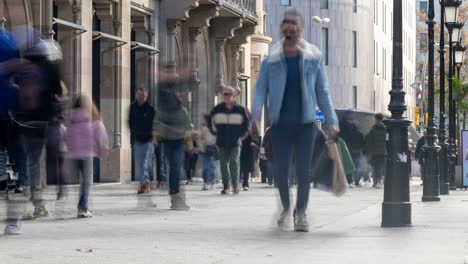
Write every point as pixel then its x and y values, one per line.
pixel 151 69
pixel 193 64
pixel 76 9
pixel 118 86
pixel 235 49
pixel 173 27
pixel 219 84
pixel 47 29
pixel 224 28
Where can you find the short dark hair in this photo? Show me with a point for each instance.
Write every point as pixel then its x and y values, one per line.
pixel 294 13
pixel 141 88
pixel 379 116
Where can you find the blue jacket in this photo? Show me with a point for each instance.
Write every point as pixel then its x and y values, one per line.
pixel 271 84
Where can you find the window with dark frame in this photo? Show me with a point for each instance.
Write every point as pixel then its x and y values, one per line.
pixel 354 49
pixel 324 45
pixel 285 2
pixel 355 95
pixel 323 4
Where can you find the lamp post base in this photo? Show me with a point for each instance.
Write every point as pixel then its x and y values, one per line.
pixel 430 199
pixel 444 188
pixel 396 214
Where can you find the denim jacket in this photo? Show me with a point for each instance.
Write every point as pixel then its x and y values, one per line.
pixel 271 84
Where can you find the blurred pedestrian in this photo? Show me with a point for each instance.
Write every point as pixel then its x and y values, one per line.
pixel 86 139
pixel 249 147
pixel 172 128
pixel 419 154
pixel 208 152
pixel 161 162
pixel 229 122
pixel 191 158
pixel 354 140
pixel 141 128
pixel 268 156
pixel 293 79
pixel 56 147
pixel 376 149
pixel 39 90
pixel 9 64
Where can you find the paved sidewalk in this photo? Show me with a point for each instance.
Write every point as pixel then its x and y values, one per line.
pixel 239 229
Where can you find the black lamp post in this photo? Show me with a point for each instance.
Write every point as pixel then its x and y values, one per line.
pixel 459 57
pixel 431 189
pixel 443 159
pixel 396 207
pixel 451 14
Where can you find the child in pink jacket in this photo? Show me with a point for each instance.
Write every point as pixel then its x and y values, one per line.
pixel 86 138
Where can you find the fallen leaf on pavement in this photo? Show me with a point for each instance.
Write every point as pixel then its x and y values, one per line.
pixel 85 250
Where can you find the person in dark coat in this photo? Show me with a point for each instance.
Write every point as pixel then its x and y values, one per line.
pixel 376 149
pixel 355 141
pixel 248 156
pixel 419 153
pixel 141 128
pixel 267 156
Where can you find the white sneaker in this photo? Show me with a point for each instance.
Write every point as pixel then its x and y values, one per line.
pixel 205 187
pixel 283 218
pixel 178 203
pixel 300 223
pixel 246 188
pixel 84 213
pixel 12 229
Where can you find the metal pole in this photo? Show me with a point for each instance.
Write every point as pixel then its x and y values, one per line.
pixel 431 149
pixel 451 148
pixel 443 159
pixel 396 207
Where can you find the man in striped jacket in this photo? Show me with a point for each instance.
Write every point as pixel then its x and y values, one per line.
pixel 229 122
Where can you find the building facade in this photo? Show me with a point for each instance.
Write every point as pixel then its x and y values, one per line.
pixel 111 47
pixel 357 47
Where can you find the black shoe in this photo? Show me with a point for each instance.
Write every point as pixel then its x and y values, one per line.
pixel 19 189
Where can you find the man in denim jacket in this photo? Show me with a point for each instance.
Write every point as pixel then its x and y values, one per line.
pixel 294 82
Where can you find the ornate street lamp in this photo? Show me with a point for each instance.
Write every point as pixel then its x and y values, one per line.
pixel 431 189
pixel 443 159
pixel 396 207
pixel 451 15
pixel 459 57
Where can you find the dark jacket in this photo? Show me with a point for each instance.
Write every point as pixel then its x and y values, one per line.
pixel 228 125
pixel 141 122
pixel 376 140
pixel 418 153
pixel 248 153
pixel 351 135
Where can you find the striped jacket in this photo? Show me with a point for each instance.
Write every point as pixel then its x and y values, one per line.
pixel 229 126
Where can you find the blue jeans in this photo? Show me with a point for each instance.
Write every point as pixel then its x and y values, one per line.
pixel 209 168
pixel 143 160
pixel 32 149
pixel 161 160
pixel 297 141
pixel 174 152
pixel 84 167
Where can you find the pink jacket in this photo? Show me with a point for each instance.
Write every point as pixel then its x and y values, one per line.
pixel 84 138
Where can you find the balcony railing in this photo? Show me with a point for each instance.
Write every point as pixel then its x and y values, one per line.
pixel 250 5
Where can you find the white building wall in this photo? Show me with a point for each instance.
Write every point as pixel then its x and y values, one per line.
pixel 383 45
pixel 343 21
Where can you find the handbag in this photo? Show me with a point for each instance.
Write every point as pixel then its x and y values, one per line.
pixel 339 183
